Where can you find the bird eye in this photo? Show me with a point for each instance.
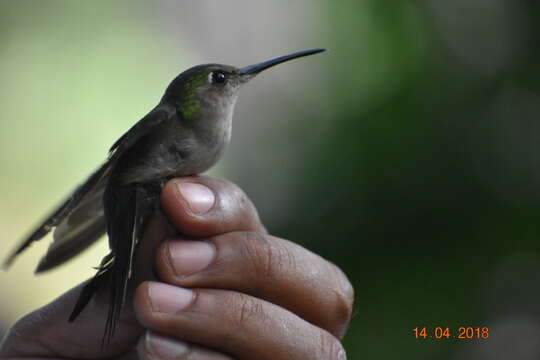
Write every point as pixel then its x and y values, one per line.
pixel 218 77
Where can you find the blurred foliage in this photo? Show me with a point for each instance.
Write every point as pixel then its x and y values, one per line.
pixel 428 179
pixel 422 184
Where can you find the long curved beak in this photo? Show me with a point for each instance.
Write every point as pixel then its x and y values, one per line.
pixel 257 68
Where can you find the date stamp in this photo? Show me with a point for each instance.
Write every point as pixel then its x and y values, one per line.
pixel 443 333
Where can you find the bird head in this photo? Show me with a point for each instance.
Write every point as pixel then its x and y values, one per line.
pixel 214 87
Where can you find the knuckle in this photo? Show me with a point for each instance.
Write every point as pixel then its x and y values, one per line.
pixel 233 197
pixel 343 313
pixel 234 192
pixel 330 347
pixel 241 197
pixel 344 297
pixel 267 258
pixel 248 310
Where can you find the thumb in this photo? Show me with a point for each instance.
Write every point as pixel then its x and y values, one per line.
pixel 46 332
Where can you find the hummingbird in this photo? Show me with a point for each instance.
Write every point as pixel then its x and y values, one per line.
pixel 185 134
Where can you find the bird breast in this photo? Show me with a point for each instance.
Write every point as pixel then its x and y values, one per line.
pixel 177 149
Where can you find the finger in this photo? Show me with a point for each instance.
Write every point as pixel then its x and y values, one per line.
pixel 266 267
pixel 153 346
pixel 203 206
pixel 235 323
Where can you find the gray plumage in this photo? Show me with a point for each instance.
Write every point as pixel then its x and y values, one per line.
pixel 185 134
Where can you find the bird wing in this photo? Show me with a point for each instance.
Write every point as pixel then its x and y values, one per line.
pixel 64 210
pixel 78 230
pixel 75 233
pixel 127 208
pixel 154 118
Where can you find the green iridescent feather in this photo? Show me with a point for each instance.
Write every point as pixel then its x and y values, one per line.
pixel 190 104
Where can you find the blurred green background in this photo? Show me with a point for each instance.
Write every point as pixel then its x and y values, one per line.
pixel 407 154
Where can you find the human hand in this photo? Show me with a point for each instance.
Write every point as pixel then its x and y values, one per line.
pixel 235 293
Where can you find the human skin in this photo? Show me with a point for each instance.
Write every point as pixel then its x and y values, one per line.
pixel 224 289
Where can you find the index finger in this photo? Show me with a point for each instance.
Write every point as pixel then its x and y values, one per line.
pixel 202 206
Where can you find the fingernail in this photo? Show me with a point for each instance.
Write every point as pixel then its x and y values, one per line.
pixel 168 299
pixel 164 348
pixel 199 197
pixel 188 257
